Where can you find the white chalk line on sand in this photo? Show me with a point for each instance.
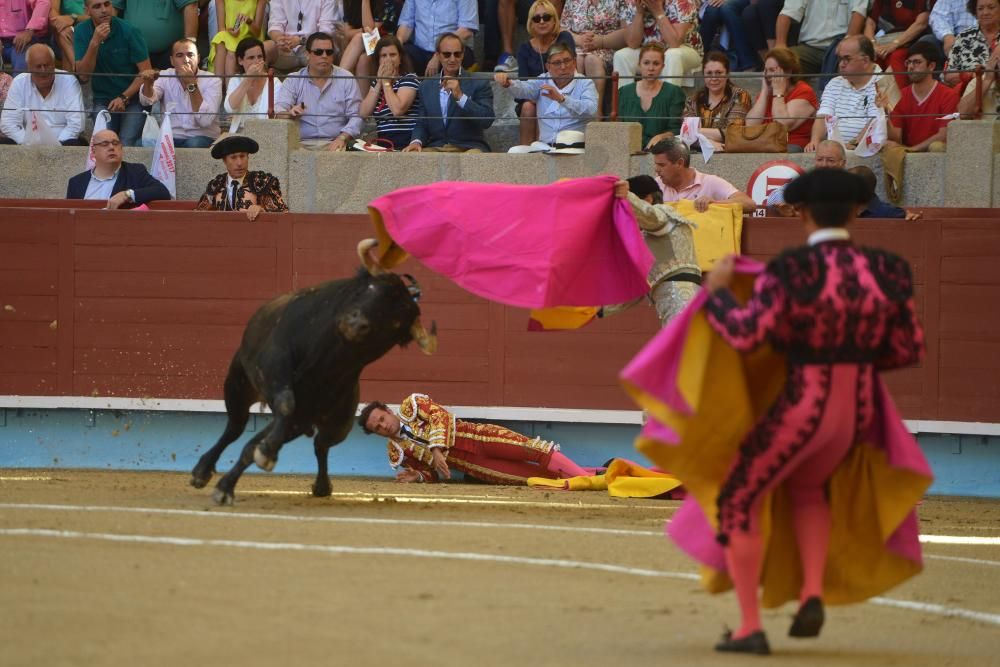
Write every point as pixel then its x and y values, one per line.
pixel 927 539
pixel 928 608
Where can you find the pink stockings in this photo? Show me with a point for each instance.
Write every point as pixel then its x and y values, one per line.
pixel 564 467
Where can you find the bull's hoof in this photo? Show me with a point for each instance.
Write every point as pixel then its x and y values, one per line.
pixel 262 460
pixel 221 497
pixel 322 489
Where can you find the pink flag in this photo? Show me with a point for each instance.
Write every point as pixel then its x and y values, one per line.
pixel 571 243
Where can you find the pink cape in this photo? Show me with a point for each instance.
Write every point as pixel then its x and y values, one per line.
pixel 571 243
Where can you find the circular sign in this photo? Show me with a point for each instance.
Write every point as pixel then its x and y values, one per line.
pixel 769 177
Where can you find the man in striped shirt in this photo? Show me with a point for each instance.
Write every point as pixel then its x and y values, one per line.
pixel 850 100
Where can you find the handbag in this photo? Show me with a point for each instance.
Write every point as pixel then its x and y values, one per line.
pixel 766 138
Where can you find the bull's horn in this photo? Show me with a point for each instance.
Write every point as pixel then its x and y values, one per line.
pixel 366 253
pixel 428 342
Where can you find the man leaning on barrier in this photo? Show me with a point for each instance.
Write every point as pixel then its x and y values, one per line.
pixel 240 189
pixel 122 184
pixel 323 98
pixel 672 163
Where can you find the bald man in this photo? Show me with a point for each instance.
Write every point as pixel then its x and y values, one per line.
pixel 52 95
pixel 121 184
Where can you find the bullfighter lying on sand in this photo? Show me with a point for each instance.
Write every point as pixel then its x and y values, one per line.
pixel 426 441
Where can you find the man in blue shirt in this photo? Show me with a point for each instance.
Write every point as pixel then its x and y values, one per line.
pixel 421 24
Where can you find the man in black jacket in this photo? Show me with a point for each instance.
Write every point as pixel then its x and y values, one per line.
pixel 122 184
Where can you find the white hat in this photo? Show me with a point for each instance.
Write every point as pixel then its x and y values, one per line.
pixel 568 142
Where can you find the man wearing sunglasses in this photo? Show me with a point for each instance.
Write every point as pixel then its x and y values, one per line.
pixel 192 96
pixel 115 52
pixel 455 110
pixel 323 98
pixel 565 101
pixel 122 184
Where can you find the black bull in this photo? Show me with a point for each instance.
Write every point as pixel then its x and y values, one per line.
pixel 302 354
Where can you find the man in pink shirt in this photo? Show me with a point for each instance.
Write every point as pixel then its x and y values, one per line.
pixel 22 23
pixel 679 180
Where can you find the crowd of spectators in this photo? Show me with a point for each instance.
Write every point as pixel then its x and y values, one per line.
pixel 825 69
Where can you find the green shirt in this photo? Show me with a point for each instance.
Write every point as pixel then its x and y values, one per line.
pixel 664 115
pixel 72 8
pixel 161 22
pixel 121 52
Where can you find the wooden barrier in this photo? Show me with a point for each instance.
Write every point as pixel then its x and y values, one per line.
pixel 152 304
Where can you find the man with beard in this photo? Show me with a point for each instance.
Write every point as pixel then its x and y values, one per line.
pixel 916 121
pixel 240 189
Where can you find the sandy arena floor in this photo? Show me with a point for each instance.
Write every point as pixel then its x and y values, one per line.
pixel 114 568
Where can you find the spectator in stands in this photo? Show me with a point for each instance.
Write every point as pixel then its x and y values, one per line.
pixel 978 44
pixel 876 208
pixel 598 29
pixel 5 81
pixel 422 23
pixel 917 121
pixel 785 98
pixel 122 184
pixel 719 104
pixel 903 23
pixel 506 14
pixel 22 23
pixel 674 24
pixel 543 31
pixel 672 163
pixel 237 20
pixel 760 18
pixel 850 100
pixel 657 105
pixel 192 95
pixel 161 23
pixel 455 109
pixel 323 98
pixel 564 100
pixel 362 16
pixel 822 23
pixel 63 16
pixel 50 94
pixel 115 51
pixel 392 98
pixel 289 25
pixel 240 189
pixel 246 96
pixel 728 14
pixel 950 18
pixel 829 154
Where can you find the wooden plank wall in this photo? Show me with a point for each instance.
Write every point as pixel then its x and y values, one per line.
pixel 153 305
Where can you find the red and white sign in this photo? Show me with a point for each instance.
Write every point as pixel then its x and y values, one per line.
pixel 769 177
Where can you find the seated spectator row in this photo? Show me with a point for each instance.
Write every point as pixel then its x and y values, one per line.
pixel 454 108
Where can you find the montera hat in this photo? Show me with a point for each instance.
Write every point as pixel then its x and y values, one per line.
pixel 234 143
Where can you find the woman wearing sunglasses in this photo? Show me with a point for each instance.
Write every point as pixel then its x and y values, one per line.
pixel 544 31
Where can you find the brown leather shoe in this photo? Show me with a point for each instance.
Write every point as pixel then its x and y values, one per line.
pixel 755 643
pixel 808 620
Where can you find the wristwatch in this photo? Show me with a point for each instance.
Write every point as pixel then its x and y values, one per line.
pixel 660 17
pixel 130 193
pixel 778 95
pixel 191 87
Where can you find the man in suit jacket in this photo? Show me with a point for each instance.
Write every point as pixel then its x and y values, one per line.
pixel 240 189
pixel 122 184
pixel 455 110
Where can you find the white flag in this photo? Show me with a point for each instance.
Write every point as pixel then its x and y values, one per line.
pixel 691 134
pixel 833 129
pixel 164 166
pixel 874 137
pixel 100 124
pixel 38 132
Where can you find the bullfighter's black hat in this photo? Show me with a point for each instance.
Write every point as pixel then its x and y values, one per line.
pixel 828 186
pixel 234 143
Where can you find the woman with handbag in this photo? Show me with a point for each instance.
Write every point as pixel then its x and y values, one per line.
pixel 651 101
pixel 719 104
pixel 392 96
pixel 785 98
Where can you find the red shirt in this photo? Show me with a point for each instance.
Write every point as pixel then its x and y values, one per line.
pixel 901 14
pixel 801 135
pixel 924 121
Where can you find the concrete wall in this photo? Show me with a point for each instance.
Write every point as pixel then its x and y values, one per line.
pixel 346 182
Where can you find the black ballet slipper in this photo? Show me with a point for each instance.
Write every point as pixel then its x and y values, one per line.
pixel 808 620
pixel 755 643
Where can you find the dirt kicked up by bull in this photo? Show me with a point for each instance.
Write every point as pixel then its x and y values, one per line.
pixel 303 353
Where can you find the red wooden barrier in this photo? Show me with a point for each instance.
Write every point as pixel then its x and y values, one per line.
pixel 118 303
